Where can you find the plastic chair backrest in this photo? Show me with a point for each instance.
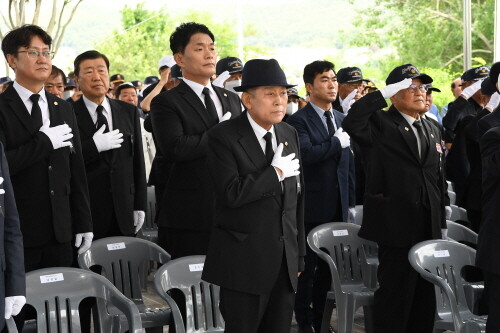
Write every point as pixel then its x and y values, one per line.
pixel 359 214
pixel 458 213
pixel 121 259
pixel 343 251
pixel 441 262
pixel 461 233
pixel 151 209
pixel 202 298
pixel 56 293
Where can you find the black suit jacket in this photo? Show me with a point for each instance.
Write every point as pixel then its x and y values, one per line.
pixel 397 181
pixel 50 185
pixel 180 122
pixel 328 168
pixel 256 220
pixel 117 177
pixel 11 242
pixel 488 122
pixel 488 244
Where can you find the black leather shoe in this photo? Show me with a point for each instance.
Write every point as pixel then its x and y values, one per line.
pixel 306 329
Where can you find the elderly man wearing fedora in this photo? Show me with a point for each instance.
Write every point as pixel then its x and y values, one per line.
pixel 257 245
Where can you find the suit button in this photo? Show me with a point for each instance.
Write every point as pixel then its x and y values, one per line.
pixel 50 167
pixel 282 238
pixel 51 192
pixel 283 213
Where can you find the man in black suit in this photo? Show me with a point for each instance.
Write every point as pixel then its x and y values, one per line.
pixel 329 176
pixel 45 160
pixel 112 149
pixel 257 245
pixel 181 117
pixel 488 239
pixel 404 200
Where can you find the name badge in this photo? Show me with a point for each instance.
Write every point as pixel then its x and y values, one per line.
pixel 51 278
pixel 115 246
pixel 338 233
pixel 441 254
pixel 196 267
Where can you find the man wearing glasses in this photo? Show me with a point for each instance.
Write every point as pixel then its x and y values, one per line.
pixel 349 78
pixel 45 159
pixel 404 200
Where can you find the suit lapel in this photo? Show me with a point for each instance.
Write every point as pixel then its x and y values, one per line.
pixel 406 132
pixel 250 143
pixel 189 95
pixel 19 109
pixel 223 98
pixel 314 117
pixel 54 111
pixel 85 122
pixel 118 123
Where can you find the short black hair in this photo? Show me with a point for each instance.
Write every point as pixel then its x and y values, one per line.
pixel 182 34
pixel 57 71
pixel 21 37
pixel 92 54
pixel 315 68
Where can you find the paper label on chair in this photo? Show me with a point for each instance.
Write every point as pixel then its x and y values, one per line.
pixel 441 254
pixel 51 278
pixel 337 233
pixel 116 246
pixel 196 267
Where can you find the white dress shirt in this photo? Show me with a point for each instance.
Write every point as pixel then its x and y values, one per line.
pixel 91 106
pixel 198 90
pixel 25 95
pixel 259 133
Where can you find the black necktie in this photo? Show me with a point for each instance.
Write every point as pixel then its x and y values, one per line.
pixel 209 104
pixel 269 147
pixel 36 112
pixel 329 123
pixel 101 118
pixel 423 141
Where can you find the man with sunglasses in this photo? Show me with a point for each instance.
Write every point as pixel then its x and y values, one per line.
pixel 404 200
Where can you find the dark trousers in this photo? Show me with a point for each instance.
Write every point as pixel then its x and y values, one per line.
pixel 249 313
pixel 313 284
pixel 404 302
pixel 492 296
pixel 52 254
pixel 183 242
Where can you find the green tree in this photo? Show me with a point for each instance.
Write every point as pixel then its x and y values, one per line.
pixel 135 50
pixel 426 33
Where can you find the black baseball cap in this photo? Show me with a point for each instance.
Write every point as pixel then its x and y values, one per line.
pixel 407 71
pixel 117 78
pixel 230 64
pixel 431 88
pixel 494 72
pixel 293 92
pixel 476 73
pixel 5 79
pixel 349 74
pixel 151 80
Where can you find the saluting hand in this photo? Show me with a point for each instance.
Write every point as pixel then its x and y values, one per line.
pixel 392 89
pixel 348 101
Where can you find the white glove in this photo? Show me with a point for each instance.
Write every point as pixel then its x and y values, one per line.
pixel 138 219
pixel 87 241
pixel 2 191
pixel 225 117
pixel 493 103
pixel 219 81
pixel 13 305
pixel 392 89
pixel 57 134
pixel 289 165
pixel 447 212
pixel 351 217
pixel 348 101
pixel 345 140
pixel 471 90
pixel 107 141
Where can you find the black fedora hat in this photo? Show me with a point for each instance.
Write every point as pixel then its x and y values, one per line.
pixel 261 72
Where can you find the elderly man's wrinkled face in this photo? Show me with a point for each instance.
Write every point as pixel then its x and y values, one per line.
pixel 266 105
pixel 411 100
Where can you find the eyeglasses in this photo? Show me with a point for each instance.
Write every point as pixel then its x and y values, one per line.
pixel 414 88
pixel 33 54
